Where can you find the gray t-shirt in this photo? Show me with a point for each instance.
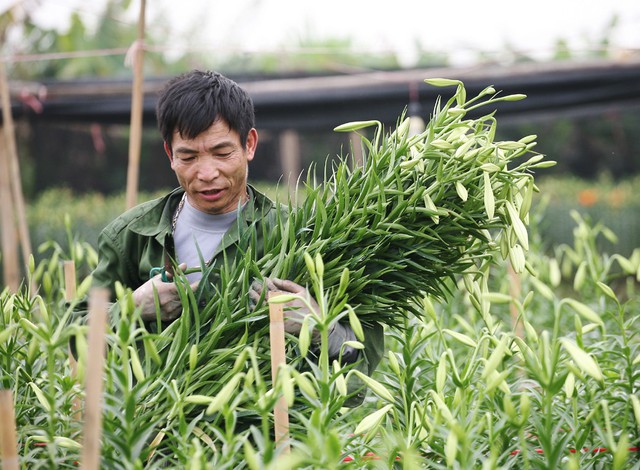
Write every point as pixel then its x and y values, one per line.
pixel 197 230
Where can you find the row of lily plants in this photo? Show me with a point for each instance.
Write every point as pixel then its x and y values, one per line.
pixel 533 370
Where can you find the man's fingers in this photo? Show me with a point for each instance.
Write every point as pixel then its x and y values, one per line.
pixel 292 326
pixel 255 292
pixel 287 286
pixel 270 285
pixel 167 287
pixel 256 285
pixel 275 284
pixel 254 295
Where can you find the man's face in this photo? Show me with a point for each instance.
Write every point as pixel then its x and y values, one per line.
pixel 212 168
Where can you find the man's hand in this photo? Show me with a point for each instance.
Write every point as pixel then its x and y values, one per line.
pixel 168 299
pixel 295 310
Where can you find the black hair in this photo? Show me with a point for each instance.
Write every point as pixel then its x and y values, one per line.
pixel 190 103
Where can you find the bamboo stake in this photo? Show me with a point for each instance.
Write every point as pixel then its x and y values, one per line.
pixel 98 302
pixel 135 138
pixel 14 167
pixel 281 410
pixel 10 264
pixel 290 157
pixel 69 280
pixel 356 149
pixel 8 440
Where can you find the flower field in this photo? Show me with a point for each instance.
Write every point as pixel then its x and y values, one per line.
pixel 520 371
pixel 515 357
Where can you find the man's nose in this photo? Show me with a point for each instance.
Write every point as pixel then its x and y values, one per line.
pixel 208 169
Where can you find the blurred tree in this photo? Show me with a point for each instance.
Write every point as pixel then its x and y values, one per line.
pixel 602 47
pixel 562 50
pixel 114 32
pixel 308 56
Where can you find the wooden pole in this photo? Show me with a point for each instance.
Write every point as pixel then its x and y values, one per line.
pixel 98 304
pixel 290 156
pixel 8 440
pixel 281 410
pixel 69 280
pixel 9 246
pixel 14 166
pixel 135 139
pixel 356 149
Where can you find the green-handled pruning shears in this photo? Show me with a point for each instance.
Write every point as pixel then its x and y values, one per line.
pixel 165 273
pixel 159 270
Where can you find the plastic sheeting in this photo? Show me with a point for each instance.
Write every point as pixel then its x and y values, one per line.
pixel 323 102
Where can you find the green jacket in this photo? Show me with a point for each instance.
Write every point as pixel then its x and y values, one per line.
pixel 142 239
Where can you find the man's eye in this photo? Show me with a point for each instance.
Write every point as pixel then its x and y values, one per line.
pixel 187 159
pixel 224 154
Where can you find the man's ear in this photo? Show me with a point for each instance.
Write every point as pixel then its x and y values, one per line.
pixel 252 143
pixel 167 150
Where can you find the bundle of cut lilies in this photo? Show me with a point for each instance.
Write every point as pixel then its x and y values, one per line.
pixel 422 209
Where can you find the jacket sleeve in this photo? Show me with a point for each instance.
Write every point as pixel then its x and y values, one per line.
pixel 124 257
pixel 110 266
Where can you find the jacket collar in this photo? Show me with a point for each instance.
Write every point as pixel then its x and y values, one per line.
pixel 256 208
pixel 156 215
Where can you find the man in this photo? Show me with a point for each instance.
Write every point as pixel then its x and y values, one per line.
pixel 208 126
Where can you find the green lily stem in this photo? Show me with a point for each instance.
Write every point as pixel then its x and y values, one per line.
pixel 51 371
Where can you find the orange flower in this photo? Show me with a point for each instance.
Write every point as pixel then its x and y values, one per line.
pixel 587 197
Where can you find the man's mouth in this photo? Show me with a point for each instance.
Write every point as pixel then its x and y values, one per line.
pixel 211 192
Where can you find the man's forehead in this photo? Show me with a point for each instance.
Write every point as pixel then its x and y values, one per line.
pixel 219 129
